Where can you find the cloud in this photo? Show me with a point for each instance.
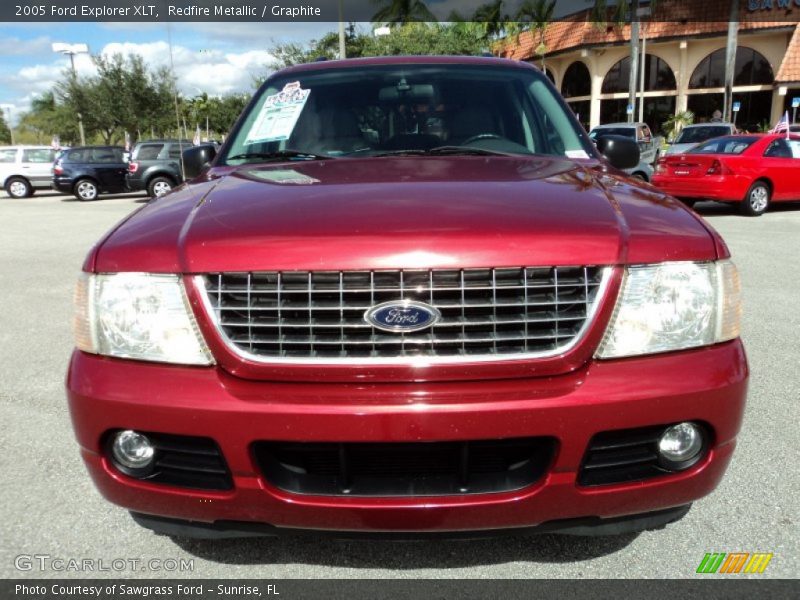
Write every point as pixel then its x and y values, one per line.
pixel 211 71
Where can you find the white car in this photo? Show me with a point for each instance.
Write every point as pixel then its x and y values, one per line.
pixel 25 169
pixel 691 135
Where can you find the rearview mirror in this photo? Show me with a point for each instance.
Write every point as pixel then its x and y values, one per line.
pixel 197 158
pixel 621 152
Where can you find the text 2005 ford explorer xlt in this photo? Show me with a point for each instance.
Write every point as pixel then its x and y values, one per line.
pixel 407 296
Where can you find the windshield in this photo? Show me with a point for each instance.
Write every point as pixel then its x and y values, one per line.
pixel 695 135
pixel 379 110
pixel 623 131
pixel 725 145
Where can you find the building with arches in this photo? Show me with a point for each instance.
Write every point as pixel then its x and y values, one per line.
pixel 684 69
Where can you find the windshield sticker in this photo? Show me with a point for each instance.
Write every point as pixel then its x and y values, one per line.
pixel 283 176
pixel 279 115
pixel 576 154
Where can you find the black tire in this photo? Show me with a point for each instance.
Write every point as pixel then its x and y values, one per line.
pixel 688 201
pixel 640 176
pixel 19 187
pixel 756 202
pixel 159 186
pixel 85 190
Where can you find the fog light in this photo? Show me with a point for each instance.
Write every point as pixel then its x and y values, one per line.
pixel 680 445
pixel 132 450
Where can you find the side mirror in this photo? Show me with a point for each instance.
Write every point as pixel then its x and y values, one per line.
pixel 197 158
pixel 621 152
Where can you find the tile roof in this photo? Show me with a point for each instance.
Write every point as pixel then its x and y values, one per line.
pixel 789 71
pixel 683 20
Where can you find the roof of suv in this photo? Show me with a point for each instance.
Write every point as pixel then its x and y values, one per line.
pixel 349 63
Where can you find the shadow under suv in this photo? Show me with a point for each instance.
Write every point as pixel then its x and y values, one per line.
pixel 155 166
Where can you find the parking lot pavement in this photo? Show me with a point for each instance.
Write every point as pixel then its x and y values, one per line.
pixel 50 507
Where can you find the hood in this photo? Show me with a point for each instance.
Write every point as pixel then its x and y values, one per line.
pixel 406 212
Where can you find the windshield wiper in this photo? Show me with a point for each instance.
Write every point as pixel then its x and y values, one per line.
pixel 280 155
pixel 444 151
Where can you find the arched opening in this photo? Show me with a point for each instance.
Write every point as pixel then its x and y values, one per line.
pixel 658 77
pixel 577 81
pixel 576 88
pixel 751 69
pixel 549 74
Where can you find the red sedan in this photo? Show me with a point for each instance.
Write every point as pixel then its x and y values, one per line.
pixel 753 170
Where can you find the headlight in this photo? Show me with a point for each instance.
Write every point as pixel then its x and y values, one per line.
pixel 139 316
pixel 673 306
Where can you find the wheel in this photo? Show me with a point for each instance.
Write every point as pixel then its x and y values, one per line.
pixel 18 187
pixel 159 186
pixel 756 201
pixel 85 190
pixel 688 201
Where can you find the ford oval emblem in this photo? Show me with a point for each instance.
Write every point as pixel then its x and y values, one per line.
pixel 402 316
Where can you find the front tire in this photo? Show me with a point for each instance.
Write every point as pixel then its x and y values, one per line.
pixel 85 190
pixel 18 187
pixel 757 200
pixel 159 186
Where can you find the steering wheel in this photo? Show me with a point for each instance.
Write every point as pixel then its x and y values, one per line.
pixel 482 136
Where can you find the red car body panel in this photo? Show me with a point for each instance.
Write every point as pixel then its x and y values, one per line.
pixel 685 175
pixel 408 212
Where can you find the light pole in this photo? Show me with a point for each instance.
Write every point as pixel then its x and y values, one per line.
pixel 71 50
pixel 7 109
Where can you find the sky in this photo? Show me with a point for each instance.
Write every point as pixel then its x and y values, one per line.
pixel 216 58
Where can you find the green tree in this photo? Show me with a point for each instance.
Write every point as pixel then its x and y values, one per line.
pixel 399 12
pixel 46 118
pixel 455 38
pixel 428 39
pixel 5 132
pixel 535 16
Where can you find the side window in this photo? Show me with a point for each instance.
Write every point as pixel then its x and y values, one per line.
pixel 75 156
pixel 103 155
pixel 149 152
pixel 8 155
pixel 778 149
pixel 174 151
pixel 38 155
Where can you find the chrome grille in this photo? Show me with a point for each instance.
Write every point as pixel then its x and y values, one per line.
pixel 485 313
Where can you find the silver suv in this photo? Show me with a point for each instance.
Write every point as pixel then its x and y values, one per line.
pixel 25 169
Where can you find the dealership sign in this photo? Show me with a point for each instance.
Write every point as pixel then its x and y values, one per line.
pixel 753 5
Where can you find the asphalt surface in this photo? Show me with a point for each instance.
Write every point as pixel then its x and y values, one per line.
pixel 50 507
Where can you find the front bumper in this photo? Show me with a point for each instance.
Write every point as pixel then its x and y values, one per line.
pixel 107 394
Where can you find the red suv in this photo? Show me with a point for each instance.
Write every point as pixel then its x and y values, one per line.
pixel 408 295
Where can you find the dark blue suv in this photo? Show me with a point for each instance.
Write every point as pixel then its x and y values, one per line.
pixel 89 171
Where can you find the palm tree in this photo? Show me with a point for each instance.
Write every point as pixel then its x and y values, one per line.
pixel 398 12
pixel 491 16
pixel 672 126
pixel 537 15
